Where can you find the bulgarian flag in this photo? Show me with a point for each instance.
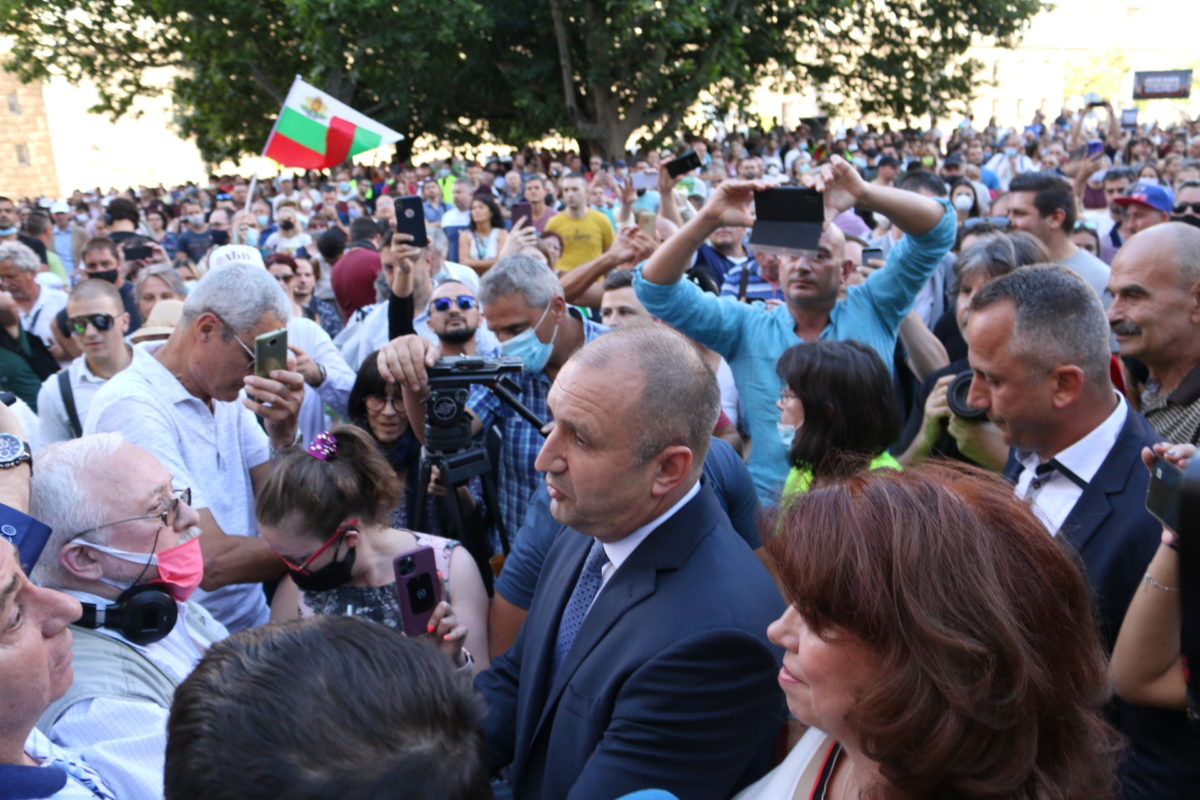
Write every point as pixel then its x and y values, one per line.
pixel 315 131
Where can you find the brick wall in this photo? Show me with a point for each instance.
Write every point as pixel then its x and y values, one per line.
pixel 26 157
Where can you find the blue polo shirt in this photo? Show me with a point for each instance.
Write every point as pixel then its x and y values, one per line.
pixel 753 337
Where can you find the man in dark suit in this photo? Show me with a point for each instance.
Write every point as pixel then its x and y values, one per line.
pixel 1037 340
pixel 644 660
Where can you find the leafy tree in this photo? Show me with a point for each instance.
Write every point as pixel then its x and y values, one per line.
pixel 596 70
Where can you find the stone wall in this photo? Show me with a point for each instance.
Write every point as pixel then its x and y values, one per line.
pixel 26 156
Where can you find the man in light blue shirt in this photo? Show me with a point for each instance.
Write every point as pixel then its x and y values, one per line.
pixel 752 337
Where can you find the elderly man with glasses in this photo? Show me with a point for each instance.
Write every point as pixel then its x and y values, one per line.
pixel 183 406
pixel 125 546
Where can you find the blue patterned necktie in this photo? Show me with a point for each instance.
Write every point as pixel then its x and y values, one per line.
pixel 579 603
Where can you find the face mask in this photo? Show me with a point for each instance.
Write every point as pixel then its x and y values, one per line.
pixel 8 231
pixel 287 225
pixel 344 187
pixel 180 568
pixel 1186 218
pixel 81 218
pixel 1151 180
pixel 220 237
pixel 963 202
pixel 859 162
pixel 196 219
pixel 354 213
pixel 443 173
pixel 263 220
pixel 1010 151
pixel 109 275
pixel 532 351
pixel 334 574
pixel 252 237
pixel 787 434
pixel 306 205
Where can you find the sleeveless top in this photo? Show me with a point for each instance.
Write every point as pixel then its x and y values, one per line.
pixel 378 603
pixel 803 773
pixel 485 246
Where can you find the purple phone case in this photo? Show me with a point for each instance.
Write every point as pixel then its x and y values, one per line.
pixel 408 587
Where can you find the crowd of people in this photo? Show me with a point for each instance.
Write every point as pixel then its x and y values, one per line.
pixel 866 520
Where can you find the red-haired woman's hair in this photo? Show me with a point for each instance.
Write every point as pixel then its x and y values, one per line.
pixel 993 674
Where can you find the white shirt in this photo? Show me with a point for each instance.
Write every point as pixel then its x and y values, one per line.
pixel 48 754
pixel 209 451
pixel 619 551
pixel 1058 494
pixel 53 423
pixel 39 320
pixel 125 739
pixel 339 378
pixel 456 219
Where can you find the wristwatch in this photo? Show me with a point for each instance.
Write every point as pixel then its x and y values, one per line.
pixel 13 452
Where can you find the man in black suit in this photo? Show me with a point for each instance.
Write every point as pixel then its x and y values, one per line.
pixel 1037 340
pixel 644 660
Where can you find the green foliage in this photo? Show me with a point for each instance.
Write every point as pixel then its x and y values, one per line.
pixel 596 70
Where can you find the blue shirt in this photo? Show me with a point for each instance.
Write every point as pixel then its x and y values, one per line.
pixel 723 468
pixel 516 477
pixel 753 337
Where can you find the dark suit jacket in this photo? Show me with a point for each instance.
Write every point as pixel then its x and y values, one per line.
pixel 671 682
pixel 1115 537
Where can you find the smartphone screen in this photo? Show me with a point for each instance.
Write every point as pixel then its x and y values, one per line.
pixel 685 163
pixel 872 254
pixel 1094 148
pixel 1162 493
pixel 410 219
pixel 270 352
pixel 644 180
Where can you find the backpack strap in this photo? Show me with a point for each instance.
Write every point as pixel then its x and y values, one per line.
pixel 68 398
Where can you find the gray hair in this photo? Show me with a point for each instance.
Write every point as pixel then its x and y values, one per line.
pixel 680 400
pixel 59 497
pixel 438 240
pixel 520 273
pixel 998 253
pixel 1059 320
pixel 167 274
pixel 239 292
pixel 22 257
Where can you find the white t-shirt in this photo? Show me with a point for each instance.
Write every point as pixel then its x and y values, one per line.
pixel 39 319
pixel 339 378
pixel 54 425
pixel 209 451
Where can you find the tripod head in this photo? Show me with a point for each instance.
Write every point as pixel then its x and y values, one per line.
pixel 447 426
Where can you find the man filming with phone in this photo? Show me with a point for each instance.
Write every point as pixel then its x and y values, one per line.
pixel 182 405
pixel 751 338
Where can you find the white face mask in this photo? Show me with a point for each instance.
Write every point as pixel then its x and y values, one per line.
pixel 787 434
pixel 963 202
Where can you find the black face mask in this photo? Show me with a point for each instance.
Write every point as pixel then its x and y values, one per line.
pixel 287 225
pixel 220 237
pixel 1188 218
pixel 109 275
pixel 334 574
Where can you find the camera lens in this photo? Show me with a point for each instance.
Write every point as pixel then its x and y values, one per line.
pixel 956 397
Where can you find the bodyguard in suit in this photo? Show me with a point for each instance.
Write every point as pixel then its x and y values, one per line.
pixel 1037 340
pixel 644 660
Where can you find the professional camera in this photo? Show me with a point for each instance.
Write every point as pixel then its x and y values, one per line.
pixel 956 397
pixel 447 427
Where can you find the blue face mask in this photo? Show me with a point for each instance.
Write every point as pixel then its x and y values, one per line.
pixel 787 434
pixel 532 351
pixel 263 220
pixel 1010 151
pixel 252 237
pixel 8 231
pixel 344 187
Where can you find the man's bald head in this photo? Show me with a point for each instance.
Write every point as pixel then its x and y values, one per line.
pixel 1173 243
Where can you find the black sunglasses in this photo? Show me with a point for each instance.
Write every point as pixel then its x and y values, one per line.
pixel 464 301
pixel 1183 208
pixel 101 322
pixel 997 222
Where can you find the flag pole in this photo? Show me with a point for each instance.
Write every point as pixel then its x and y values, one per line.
pixel 266 144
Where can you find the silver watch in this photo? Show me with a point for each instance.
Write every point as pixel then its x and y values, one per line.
pixel 13 452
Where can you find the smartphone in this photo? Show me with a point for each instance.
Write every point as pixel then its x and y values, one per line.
pixel 872 254
pixel 1163 493
pixel 138 252
pixel 418 588
pixel 410 219
pixel 788 220
pixel 1095 148
pixel 270 352
pixel 646 221
pixel 645 180
pixel 685 163
pixel 521 211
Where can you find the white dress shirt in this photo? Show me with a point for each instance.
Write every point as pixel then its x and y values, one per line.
pixel 53 423
pixel 1053 496
pixel 125 739
pixel 39 319
pixel 619 551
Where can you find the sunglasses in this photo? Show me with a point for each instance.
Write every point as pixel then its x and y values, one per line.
pixel 101 322
pixel 997 222
pixel 464 301
pixel 1183 208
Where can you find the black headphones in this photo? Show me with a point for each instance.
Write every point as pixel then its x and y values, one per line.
pixel 143 614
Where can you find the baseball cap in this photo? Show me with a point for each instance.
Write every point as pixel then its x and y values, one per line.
pixel 888 161
pixel 231 253
pixel 1149 195
pixel 60 208
pixel 953 159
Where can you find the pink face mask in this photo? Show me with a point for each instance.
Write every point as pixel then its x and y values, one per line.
pixel 180 568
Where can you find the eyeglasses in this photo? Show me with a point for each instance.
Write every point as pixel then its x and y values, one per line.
pixel 786 394
pixel 376 403
pixel 284 278
pixel 229 329
pixel 101 322
pixel 464 302
pixel 166 517
pixel 1183 208
pixel 303 567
